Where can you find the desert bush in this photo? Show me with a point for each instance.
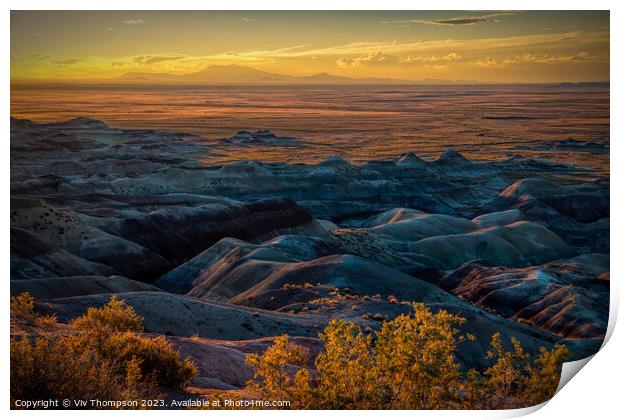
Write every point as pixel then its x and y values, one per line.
pixel 55 369
pixel 416 358
pixel 409 364
pixel 113 331
pixel 155 357
pixel 274 368
pixel 543 377
pixel 512 381
pixel 103 356
pixel 22 305
pixel 114 316
pixel 22 308
pixel 348 350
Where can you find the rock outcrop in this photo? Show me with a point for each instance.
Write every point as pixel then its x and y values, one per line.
pixel 261 137
pixel 568 297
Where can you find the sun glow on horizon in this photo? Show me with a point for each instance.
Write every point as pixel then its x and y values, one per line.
pixel 550 46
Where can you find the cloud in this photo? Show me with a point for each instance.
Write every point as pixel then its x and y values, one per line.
pixel 440 52
pixel 371 57
pixel 378 57
pixel 67 62
pixel 153 59
pixel 40 57
pixel 278 51
pixel 259 55
pixel 559 58
pixel 134 22
pixel 432 58
pixel 467 47
pixel 247 19
pixel 439 61
pixel 389 52
pixel 536 58
pixel 458 21
pixel 452 57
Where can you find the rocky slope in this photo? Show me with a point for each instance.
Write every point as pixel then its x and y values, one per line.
pixel 567 297
pixel 238 253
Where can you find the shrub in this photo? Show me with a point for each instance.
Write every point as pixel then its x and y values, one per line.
pixel 105 358
pixel 112 331
pixel 409 364
pixel 154 356
pixel 22 308
pixel 54 369
pixel 543 378
pixel 513 382
pixel 274 369
pixel 22 305
pixel 416 358
pixel 114 316
pixel 345 372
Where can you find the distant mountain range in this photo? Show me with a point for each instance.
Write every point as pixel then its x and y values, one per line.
pixel 235 74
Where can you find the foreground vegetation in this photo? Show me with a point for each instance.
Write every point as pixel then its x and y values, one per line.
pixel 102 355
pixel 409 364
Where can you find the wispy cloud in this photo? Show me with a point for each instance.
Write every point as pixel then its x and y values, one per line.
pixel 153 59
pixel 285 52
pixel 457 21
pixel 383 53
pixel 247 19
pixel 67 62
pixel 476 46
pixel 536 58
pixel 386 58
pixel 372 57
pixel 134 22
pixel 40 57
pixel 31 58
pixel 431 58
pixel 378 58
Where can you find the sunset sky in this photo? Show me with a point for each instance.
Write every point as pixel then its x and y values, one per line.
pixel 485 46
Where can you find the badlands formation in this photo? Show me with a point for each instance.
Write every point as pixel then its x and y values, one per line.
pixel 223 258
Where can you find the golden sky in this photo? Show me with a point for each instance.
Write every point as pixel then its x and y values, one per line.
pixel 520 46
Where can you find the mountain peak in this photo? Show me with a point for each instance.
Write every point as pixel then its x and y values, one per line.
pixel 237 74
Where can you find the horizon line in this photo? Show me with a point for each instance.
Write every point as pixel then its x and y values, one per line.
pixel 396 82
